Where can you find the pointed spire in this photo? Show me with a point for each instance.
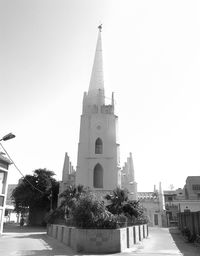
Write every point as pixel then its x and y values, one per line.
pixel 132 173
pixel 96 81
pixel 161 197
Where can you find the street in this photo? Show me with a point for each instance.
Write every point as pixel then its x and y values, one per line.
pixel 27 241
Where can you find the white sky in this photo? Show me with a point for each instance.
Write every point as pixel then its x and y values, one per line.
pixel 151 52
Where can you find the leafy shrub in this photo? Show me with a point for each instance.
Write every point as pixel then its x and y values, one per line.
pixel 86 210
pixel 189 236
pixel 120 204
pixel 122 220
pixel 70 196
pixel 70 222
pixel 82 209
pixel 89 212
pixel 116 200
pixel 105 220
pixel 56 217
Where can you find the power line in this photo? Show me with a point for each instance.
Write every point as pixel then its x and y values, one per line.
pixel 20 171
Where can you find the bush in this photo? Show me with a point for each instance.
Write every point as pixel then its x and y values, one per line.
pixel 83 209
pixel 120 204
pixel 189 236
pixel 70 222
pixel 86 210
pixel 56 217
pixel 122 220
pixel 105 220
pixel 90 212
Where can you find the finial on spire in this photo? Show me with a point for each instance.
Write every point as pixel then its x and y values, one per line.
pixel 100 27
pixel 96 80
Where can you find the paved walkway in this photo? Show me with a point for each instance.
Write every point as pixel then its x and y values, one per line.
pixel 166 242
pixel 17 241
pixel 33 241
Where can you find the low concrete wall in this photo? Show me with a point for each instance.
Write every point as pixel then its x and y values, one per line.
pixel 99 240
pixel 136 234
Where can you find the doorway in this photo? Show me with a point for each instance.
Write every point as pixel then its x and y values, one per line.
pixel 156 219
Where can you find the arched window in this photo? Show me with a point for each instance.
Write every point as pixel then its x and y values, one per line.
pixel 98 146
pixel 98 176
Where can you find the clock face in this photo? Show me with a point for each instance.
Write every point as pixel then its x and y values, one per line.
pixel 98 127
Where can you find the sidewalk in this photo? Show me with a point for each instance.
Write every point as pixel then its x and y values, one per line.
pixel 159 243
pixel 25 241
pixel 34 241
pixel 166 242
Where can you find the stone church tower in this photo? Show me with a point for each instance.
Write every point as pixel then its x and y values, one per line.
pixel 98 163
pixel 98 149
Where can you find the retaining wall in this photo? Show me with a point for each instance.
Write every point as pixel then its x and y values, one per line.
pixel 98 240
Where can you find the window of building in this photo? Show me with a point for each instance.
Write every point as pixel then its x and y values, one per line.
pixel 98 146
pixel 1 201
pixel 196 186
pixel 2 182
pixel 98 176
pixel 6 212
pixel 170 215
pixel 155 219
pixel 186 194
pixel 170 198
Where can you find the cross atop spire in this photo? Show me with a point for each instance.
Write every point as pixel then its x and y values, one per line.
pixel 96 81
pixel 100 27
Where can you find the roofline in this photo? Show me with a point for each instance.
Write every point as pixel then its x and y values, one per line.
pixel 5 159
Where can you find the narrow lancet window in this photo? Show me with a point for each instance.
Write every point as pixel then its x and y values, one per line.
pixel 98 146
pixel 98 176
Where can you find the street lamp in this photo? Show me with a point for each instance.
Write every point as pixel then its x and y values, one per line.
pixel 8 137
pixel 4 165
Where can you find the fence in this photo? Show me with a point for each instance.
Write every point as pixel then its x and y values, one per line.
pixel 190 220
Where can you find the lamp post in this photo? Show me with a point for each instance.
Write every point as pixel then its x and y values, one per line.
pixel 8 136
pixel 4 165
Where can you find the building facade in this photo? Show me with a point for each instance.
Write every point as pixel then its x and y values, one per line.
pixel 4 165
pixel 182 200
pixel 154 206
pixel 192 188
pixel 10 215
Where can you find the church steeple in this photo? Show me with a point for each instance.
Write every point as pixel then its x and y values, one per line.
pixel 98 150
pixel 96 81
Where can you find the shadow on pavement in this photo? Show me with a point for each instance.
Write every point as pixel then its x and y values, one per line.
pixel 18 240
pixel 186 248
pixel 53 247
pixel 15 228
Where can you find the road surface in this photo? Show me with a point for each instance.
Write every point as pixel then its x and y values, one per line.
pixel 25 241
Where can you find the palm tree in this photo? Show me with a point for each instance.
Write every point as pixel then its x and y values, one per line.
pixel 70 196
pixel 118 199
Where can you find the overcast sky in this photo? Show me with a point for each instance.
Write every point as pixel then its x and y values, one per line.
pixel 151 52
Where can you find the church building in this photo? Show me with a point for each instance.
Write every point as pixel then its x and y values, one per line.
pixel 98 161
